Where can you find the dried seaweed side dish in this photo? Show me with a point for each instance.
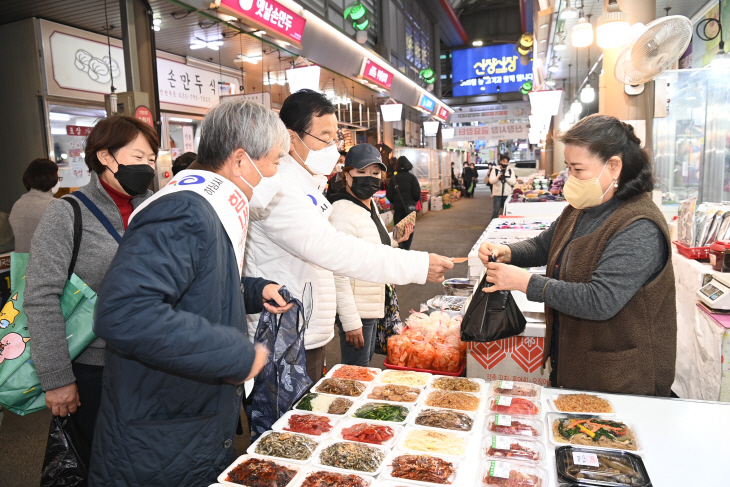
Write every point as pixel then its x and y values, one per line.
pixel 286 445
pixel 352 456
pixel 256 472
pixel 423 468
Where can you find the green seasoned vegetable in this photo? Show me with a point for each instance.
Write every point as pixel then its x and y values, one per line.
pixel 382 412
pixel 306 402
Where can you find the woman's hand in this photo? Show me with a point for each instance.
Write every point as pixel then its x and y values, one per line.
pixel 271 292
pixel 355 339
pixel 63 401
pixel 502 252
pixel 506 278
pixel 262 357
pixel 407 231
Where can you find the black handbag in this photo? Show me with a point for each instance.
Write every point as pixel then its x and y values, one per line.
pixel 491 316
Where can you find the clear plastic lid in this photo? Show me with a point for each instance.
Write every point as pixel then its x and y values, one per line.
pixel 496 472
pixel 510 448
pixel 515 406
pixel 505 424
pixel 610 468
pixel 512 388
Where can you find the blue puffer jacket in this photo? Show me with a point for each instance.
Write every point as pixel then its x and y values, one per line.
pixel 173 314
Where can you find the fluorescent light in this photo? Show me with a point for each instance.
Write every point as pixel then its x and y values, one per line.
pixel 306 77
pixel 392 112
pixel 430 127
pixel 214 45
pixel 179 119
pixel 477 43
pixel 58 131
pixel 196 44
pixel 250 59
pixel 59 117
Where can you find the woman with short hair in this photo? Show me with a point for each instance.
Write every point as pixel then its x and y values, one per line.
pixel 609 292
pixel 42 181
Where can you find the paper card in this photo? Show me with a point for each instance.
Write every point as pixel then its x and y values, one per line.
pixel 503 420
pixel 586 459
pixel 504 401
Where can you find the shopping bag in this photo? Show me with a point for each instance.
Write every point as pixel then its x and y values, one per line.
pixel 491 316
pixel 391 323
pixel 66 463
pixel 284 378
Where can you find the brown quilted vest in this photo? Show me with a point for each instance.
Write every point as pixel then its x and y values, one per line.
pixel 633 352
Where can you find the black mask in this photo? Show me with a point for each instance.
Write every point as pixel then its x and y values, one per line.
pixel 364 187
pixel 135 179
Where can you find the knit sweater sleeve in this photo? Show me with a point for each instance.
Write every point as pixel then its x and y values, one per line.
pixel 631 259
pixel 533 252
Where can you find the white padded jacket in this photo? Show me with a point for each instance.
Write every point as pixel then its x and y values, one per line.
pixel 357 299
pixel 291 242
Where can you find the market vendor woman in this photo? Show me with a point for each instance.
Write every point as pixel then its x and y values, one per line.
pixel 609 291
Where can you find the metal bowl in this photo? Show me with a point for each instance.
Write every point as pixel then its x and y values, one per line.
pixel 459 286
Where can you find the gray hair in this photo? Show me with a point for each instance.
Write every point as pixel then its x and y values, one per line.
pixel 240 124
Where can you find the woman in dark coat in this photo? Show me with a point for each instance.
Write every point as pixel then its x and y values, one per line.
pixel 403 192
pixel 468 176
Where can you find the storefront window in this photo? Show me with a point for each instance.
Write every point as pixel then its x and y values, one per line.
pixel 183 135
pixel 69 128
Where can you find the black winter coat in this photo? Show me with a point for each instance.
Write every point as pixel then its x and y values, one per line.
pixel 172 310
pixel 408 187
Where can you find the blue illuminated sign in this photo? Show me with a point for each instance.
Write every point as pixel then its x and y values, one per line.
pixel 488 70
pixel 427 103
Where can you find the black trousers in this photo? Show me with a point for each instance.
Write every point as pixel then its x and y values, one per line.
pixel 88 381
pixel 399 215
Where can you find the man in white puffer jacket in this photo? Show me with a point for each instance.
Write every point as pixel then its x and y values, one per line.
pixel 292 242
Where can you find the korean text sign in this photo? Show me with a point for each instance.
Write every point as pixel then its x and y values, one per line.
pixel 270 15
pixel 488 70
pixel 427 103
pixel 377 74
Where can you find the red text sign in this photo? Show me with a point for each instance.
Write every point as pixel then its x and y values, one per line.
pixel 270 15
pixel 76 130
pixel 143 113
pixel 442 113
pixel 377 74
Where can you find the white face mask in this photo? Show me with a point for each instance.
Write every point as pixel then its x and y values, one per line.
pixel 55 188
pixel 320 161
pixel 339 167
pixel 265 191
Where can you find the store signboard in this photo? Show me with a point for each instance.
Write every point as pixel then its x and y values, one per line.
pixel 442 113
pixel 188 139
pixel 427 103
pixel 263 98
pixel 183 84
pixel 376 73
pixel 270 15
pixel 500 131
pixel 491 113
pixel 77 130
pixel 488 70
pixel 143 113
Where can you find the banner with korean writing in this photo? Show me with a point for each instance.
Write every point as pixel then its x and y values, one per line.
pixel 488 70
pixel 376 73
pixel 500 131
pixel 269 15
pixel 187 85
pixel 491 113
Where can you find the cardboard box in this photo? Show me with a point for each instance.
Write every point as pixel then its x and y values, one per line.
pixel 518 359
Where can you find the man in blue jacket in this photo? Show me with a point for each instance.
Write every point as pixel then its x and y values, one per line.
pixel 172 309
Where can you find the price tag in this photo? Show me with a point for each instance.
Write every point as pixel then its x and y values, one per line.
pixel 503 420
pixel 506 384
pixel 504 401
pixel 499 469
pixel 501 442
pixel 587 459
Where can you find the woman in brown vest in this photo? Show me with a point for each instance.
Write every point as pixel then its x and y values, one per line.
pixel 609 292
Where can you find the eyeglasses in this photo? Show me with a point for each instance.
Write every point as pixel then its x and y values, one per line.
pixel 339 142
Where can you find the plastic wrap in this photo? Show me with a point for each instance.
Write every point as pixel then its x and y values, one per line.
pixel 399 350
pixel 447 358
pixel 422 355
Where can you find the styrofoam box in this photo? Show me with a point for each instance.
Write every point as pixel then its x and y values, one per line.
pixel 359 404
pixel 373 385
pixel 389 373
pixel 299 468
pixel 483 384
pixel 316 461
pixel 397 430
pixel 252 449
pixel 374 370
pixel 283 422
pixel 409 429
pixel 414 416
pixel 550 417
pixel 480 397
pixel 352 399
pixel 554 407
pixel 369 480
pixel 315 386
pixel 386 474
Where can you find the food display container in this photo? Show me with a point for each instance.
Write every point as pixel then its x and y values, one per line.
pixel 351 399
pixel 364 403
pixel 480 382
pixel 376 372
pixel 420 378
pixel 317 461
pixel 510 448
pixel 283 423
pixel 495 472
pixel 590 467
pixel 347 423
pixel 316 386
pixel 554 406
pixel 388 470
pixel 514 406
pixel 428 396
pixel 223 476
pixel 451 305
pixel 720 256
pixel 368 480
pixel 515 389
pixel 519 426
pixel 460 286
pixel 552 417
pixel 410 429
pixel 414 417
pixel 252 449
pixel 396 399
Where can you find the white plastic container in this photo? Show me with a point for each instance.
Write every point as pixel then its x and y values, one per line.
pixel 347 423
pixel 419 409
pixel 501 469
pixel 252 449
pixel 365 402
pixel 426 398
pixel 369 481
pixel 300 469
pixel 554 407
pixel 316 386
pixel 515 389
pixel 480 382
pixel 417 390
pixel 388 470
pixel 463 438
pixel 317 461
pixel 283 423
pixel 514 406
pixel 391 377
pixel 505 452
pixel 517 426
pixel 374 370
pixel 351 399
pixel 550 417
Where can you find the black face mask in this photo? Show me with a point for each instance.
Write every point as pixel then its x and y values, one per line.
pixel 364 187
pixel 135 179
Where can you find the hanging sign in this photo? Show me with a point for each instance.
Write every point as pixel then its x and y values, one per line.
pixel 77 130
pixel 488 70
pixel 501 131
pixel 427 103
pixel 375 73
pixel 188 139
pixel 143 113
pixel 442 113
pixel 491 113
pixel 270 15
pixel 182 84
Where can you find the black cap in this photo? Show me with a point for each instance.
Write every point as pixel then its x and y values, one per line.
pixel 362 156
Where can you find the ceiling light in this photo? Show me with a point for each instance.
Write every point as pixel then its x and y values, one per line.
pixel 587 94
pixel 564 125
pixel 613 27
pixel 64 156
pixel 197 44
pixel 180 119
pixel 550 81
pixel 156 28
pixel 156 21
pixel 59 117
pixel 553 68
pixel 281 82
pixel 568 12
pixel 250 59
pixel 582 32
pixel 259 32
pixel 226 18
pixel 560 46
pixel 214 45
pixel 576 108
pixel 58 131
pixel 721 60
pixel 477 43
